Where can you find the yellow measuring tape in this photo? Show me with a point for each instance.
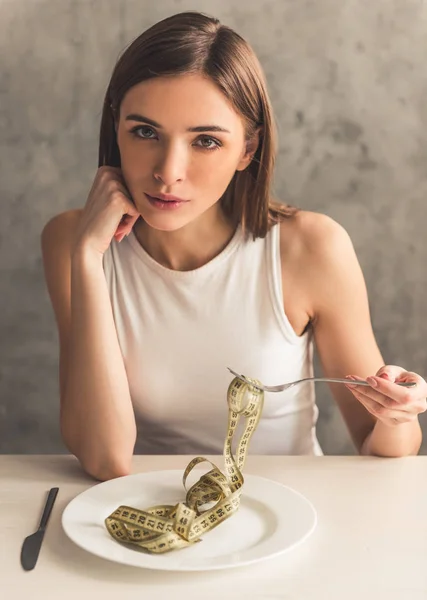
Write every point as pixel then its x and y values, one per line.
pixel 167 527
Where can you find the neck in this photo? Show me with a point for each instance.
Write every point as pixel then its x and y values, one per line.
pixel 189 247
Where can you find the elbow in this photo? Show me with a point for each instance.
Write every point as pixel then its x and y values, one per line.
pixel 103 465
pixel 101 468
pixel 108 469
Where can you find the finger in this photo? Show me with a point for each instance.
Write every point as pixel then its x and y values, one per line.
pixel 126 224
pixel 390 372
pixel 416 406
pixel 398 393
pixel 383 413
pixel 124 188
pixel 122 231
pixel 132 220
pixel 386 403
pixel 127 202
pixel 129 207
pixel 126 220
pixel 372 394
pixel 120 235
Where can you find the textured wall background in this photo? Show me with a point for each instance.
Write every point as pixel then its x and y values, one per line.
pixel 348 82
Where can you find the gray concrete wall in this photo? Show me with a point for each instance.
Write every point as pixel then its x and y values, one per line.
pixel 349 87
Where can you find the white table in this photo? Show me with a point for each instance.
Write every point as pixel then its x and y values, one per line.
pixel 370 541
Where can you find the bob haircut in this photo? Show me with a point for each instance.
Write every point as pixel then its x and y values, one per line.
pixel 195 43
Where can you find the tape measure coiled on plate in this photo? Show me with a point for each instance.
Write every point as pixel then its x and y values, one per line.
pixel 163 528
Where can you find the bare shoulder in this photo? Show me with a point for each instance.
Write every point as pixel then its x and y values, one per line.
pixel 60 229
pixel 317 250
pixel 317 259
pixel 309 236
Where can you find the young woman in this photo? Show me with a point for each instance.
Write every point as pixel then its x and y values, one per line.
pixel 181 265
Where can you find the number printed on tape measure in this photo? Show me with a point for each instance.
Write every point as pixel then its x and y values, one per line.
pixel 164 528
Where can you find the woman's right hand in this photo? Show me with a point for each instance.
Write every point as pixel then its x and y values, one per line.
pixel 109 212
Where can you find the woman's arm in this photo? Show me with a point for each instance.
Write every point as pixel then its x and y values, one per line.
pixel 343 334
pixel 96 415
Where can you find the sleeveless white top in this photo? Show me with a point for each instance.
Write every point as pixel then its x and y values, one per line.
pixel 179 331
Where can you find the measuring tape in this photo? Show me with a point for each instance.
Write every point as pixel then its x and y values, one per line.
pixel 167 527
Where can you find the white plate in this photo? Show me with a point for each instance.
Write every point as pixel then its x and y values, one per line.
pixel 272 519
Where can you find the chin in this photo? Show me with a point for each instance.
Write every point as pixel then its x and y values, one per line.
pixel 165 222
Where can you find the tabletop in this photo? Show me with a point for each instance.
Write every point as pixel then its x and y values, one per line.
pixel 370 540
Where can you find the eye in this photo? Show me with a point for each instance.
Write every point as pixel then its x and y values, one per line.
pixel 145 132
pixel 209 143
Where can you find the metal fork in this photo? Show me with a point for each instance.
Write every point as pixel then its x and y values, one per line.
pixel 286 386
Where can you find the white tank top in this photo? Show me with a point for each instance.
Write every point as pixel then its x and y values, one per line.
pixel 179 331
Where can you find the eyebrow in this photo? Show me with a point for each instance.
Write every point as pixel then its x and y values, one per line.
pixel 199 128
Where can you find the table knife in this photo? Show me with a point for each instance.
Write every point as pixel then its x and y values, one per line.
pixel 32 544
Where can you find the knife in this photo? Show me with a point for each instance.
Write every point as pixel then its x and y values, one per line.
pixel 32 544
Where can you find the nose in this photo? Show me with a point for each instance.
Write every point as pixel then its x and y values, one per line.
pixel 171 165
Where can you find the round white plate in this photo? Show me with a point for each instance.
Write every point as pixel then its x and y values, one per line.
pixel 272 519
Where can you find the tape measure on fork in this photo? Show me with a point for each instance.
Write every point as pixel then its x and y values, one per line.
pixel 163 528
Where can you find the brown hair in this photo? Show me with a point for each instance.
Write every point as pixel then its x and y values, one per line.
pixel 192 42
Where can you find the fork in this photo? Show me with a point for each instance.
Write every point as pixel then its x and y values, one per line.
pixel 286 386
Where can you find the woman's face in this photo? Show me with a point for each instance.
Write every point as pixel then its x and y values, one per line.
pixel 179 136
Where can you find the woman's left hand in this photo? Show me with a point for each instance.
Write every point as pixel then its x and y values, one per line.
pixel 390 403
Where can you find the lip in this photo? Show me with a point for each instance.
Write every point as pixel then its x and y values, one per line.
pixel 166 198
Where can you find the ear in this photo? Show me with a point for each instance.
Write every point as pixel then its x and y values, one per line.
pixel 250 149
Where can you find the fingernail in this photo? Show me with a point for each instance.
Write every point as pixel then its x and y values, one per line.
pixel 373 382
